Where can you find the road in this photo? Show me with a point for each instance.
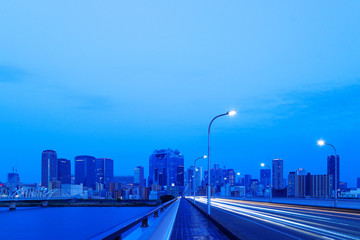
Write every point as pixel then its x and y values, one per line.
pixel 259 220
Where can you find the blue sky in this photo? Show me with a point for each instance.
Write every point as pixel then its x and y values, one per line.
pixel 119 79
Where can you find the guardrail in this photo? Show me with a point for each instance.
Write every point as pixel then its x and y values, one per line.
pixel 117 235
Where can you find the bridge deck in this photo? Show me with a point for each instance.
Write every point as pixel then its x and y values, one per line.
pixel 190 223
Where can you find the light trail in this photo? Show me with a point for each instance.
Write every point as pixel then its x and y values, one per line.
pixel 299 208
pixel 319 227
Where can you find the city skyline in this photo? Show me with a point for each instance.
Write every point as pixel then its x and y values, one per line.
pixel 262 175
pixel 179 119
pixel 122 90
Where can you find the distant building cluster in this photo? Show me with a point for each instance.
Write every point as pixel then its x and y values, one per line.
pixel 166 173
pixel 94 178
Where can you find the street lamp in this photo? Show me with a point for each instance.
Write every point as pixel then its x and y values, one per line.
pixel 194 173
pixel 230 113
pixel 264 165
pixel 322 143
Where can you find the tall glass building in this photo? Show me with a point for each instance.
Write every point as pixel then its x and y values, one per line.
pixel 49 167
pixel 104 171
pixel 331 169
pixel 265 177
pixel 139 176
pixel 64 171
pixel 166 168
pixel 85 171
pixel 277 173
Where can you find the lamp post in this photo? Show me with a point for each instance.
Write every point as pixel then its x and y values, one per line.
pixel 194 173
pixel 322 143
pixel 230 113
pixel 264 165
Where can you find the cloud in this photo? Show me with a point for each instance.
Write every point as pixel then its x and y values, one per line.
pixel 11 74
pixel 337 105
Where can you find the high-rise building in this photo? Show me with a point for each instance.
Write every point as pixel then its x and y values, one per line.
pixel 220 177
pixel 331 169
pixel 13 181
pixel 254 186
pixel 194 177
pixel 358 182
pixel 49 167
pixel 104 171
pixel 291 184
pixel 64 171
pixel 190 178
pixel 13 178
pixel 265 177
pixel 319 186
pixel 85 171
pixel 247 183
pixel 302 185
pixel 139 176
pixel 180 176
pixel 166 168
pixel 277 173
pixel 229 176
pixel 197 177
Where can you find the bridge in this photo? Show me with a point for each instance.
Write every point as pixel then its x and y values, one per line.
pixel 184 218
pixel 33 195
pixel 239 219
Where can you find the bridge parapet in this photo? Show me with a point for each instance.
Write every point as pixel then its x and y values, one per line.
pixel 119 233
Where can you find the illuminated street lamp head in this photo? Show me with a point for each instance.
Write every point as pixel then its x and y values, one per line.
pixel 231 113
pixel 238 174
pixel 204 156
pixel 321 142
pixel 262 164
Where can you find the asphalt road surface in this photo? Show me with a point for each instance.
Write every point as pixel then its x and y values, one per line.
pixel 260 220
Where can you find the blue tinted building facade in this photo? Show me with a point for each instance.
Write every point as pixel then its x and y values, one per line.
pixel 277 173
pixel 64 171
pixel 49 167
pixel 85 171
pixel 265 177
pixel 331 169
pixel 166 168
pixel 104 171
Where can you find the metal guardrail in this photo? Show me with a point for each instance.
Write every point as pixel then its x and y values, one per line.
pixel 117 235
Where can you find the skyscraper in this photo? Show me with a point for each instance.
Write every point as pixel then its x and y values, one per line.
pixel 49 167
pixel 277 170
pixel 64 171
pixel 85 171
pixel 291 184
pixel 13 181
pixel 358 182
pixel 247 183
pixel 229 176
pixel 190 178
pixel 180 175
pixel 104 171
pixel 265 177
pixel 193 180
pixel 139 176
pixel 331 169
pixel 166 168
